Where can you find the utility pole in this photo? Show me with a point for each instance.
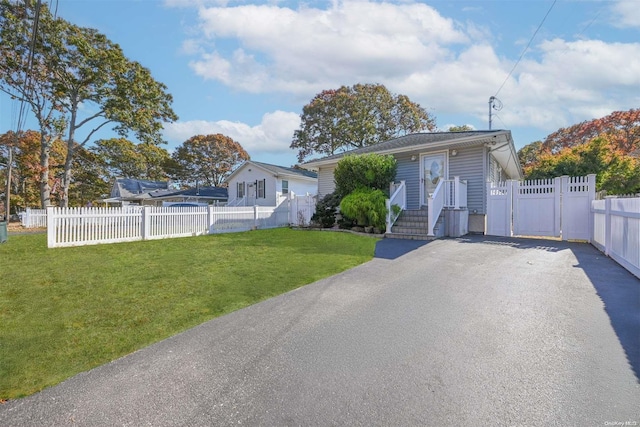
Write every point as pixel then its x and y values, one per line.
pixel 494 104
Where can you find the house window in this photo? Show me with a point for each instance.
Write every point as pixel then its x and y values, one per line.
pixel 240 190
pixel 285 187
pixel 261 194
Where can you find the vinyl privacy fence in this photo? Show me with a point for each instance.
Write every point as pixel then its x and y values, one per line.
pixel 616 230
pixel 90 226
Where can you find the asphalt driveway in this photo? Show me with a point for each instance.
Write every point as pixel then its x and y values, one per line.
pixel 454 332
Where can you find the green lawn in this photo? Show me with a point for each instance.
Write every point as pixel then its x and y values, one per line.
pixel 64 311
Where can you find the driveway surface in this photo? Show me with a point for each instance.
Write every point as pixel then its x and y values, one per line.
pixel 470 331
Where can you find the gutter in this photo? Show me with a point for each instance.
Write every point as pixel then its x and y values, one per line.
pixel 456 143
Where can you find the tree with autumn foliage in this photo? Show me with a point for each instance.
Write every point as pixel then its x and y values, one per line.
pixel 72 66
pixel 27 169
pixel 207 159
pixel 616 173
pixel 355 117
pixel 621 128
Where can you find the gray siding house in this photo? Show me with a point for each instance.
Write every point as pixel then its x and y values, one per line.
pixel 425 159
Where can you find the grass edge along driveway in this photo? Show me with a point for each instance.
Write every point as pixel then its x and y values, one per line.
pixel 65 311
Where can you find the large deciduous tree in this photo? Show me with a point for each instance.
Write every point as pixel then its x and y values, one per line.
pixel 25 76
pixel 79 66
pixel 207 159
pixel 27 170
pixel 616 172
pixel 354 117
pixel 122 158
pixel 621 128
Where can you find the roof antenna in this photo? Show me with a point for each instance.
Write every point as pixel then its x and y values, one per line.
pixel 494 104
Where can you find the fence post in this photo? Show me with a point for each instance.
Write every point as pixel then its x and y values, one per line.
pixel 456 192
pixel 255 216
pixel 209 219
pixel 591 179
pixel 51 227
pixel 146 222
pixel 607 225
pixel 561 187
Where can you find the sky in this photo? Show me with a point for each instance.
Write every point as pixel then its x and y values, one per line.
pixel 246 69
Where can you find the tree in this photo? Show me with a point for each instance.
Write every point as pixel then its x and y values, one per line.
pixel 615 172
pixel 365 171
pixel 529 155
pixel 122 158
pixel 25 186
pixel 79 66
pixel 90 178
pixel 207 159
pixel 622 129
pixel 461 128
pixel 24 75
pixel 355 117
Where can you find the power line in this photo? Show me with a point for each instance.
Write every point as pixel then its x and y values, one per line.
pixel 526 48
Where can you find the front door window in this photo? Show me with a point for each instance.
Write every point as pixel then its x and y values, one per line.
pixel 434 171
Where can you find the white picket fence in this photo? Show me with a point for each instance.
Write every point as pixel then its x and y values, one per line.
pixel 90 226
pixel 616 230
pixel 33 218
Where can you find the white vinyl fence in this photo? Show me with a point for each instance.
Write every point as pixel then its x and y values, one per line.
pixel 33 218
pixel 616 230
pixel 90 226
pixel 557 207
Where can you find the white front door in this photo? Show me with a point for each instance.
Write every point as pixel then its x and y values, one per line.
pixel 433 170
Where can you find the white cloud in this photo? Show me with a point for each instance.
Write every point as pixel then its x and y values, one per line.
pixel 626 13
pixel 446 66
pixel 272 136
pixel 304 50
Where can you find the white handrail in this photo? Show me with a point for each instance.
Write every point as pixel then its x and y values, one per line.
pixel 455 193
pixel 435 206
pixel 398 198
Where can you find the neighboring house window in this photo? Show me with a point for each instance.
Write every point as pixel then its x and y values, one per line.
pixel 285 187
pixel 240 190
pixel 261 194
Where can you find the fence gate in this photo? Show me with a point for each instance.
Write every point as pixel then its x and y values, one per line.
pixel 557 207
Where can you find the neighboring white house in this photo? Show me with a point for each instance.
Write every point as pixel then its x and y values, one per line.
pixel 262 184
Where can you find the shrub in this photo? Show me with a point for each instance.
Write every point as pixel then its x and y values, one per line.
pixel 326 209
pixel 367 206
pixel 365 171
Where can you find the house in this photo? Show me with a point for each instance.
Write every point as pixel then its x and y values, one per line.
pixel 461 163
pixel 263 184
pixel 130 191
pixel 199 195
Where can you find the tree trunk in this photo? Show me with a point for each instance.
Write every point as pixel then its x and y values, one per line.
pixel 68 161
pixel 45 189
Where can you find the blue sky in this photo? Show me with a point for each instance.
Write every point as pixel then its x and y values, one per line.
pixel 246 69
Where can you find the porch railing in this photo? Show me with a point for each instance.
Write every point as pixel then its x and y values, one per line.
pixel 435 205
pixel 455 193
pixel 396 203
pixel 237 202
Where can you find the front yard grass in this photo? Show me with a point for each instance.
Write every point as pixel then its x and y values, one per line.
pixel 64 311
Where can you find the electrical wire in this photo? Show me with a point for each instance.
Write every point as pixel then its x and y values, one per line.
pixel 27 83
pixel 526 47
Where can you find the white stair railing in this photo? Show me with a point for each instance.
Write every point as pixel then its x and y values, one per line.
pixel 435 206
pixel 396 203
pixel 455 193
